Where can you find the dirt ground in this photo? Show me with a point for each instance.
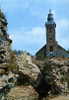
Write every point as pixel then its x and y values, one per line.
pixel 61 98
pixel 28 91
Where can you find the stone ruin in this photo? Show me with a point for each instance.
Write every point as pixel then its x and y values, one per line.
pixel 5 42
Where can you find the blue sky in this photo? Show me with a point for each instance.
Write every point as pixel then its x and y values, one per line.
pixel 26 19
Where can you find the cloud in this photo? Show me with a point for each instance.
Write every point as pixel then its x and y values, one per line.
pixel 62 27
pixel 26 18
pixel 62 32
pixel 33 39
pixel 29 40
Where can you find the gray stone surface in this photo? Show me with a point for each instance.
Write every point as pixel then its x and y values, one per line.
pixel 26 66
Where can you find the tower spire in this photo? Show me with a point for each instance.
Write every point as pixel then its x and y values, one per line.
pixel 50 16
pixel 50 10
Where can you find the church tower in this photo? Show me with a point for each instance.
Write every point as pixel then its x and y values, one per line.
pixel 50 34
pixel 51 48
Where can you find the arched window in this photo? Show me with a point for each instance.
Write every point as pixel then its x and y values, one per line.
pixel 51 48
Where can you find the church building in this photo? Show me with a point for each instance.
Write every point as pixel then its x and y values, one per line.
pixel 52 48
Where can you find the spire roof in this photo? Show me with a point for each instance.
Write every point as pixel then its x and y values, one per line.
pixel 50 16
pixel 50 11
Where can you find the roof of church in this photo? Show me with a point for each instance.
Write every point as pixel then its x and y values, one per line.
pixel 61 47
pixel 42 52
pixel 43 48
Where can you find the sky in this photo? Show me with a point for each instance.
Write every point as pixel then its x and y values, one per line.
pixel 26 22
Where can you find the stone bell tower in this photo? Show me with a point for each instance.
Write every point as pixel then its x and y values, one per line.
pixel 51 48
pixel 50 34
